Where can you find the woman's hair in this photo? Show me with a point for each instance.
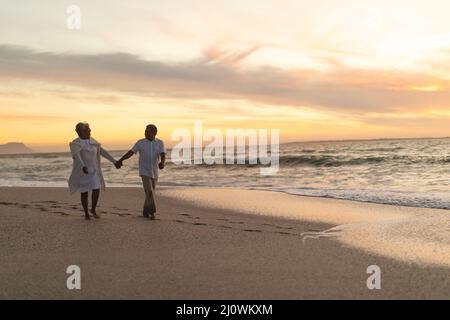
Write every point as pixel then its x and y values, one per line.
pixel 80 126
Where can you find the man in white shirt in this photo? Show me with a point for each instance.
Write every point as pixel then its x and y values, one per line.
pixel 152 158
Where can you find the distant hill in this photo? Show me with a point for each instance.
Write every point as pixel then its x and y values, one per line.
pixel 14 148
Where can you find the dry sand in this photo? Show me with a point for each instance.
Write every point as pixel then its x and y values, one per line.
pixel 218 244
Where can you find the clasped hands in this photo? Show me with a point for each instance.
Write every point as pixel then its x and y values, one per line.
pixel 119 165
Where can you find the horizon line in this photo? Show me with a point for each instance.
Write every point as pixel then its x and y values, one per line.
pixel 284 143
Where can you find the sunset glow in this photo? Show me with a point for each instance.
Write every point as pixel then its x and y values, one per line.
pixel 314 70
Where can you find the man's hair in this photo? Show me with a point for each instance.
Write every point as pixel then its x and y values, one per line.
pixel 80 126
pixel 152 128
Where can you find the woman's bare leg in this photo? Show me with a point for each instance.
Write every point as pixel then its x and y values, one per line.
pixel 84 203
pixel 95 196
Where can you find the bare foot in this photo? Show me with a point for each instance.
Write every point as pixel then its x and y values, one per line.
pixel 86 217
pixel 96 216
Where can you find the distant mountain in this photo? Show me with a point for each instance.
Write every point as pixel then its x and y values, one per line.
pixel 14 148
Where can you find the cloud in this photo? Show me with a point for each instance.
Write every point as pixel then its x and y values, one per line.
pixel 340 89
pixel 29 117
pixel 227 57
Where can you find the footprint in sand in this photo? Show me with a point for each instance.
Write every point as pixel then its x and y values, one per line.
pixel 252 230
pixel 120 214
pixel 120 209
pixel 277 227
pixel 284 228
pixel 285 233
pixel 123 214
pixel 49 201
pixel 62 213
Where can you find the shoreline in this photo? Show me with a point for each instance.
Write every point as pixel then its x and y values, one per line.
pixel 162 186
pixel 211 249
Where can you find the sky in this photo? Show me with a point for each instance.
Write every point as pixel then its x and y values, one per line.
pixel 315 70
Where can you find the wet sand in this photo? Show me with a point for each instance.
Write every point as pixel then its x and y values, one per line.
pixel 218 244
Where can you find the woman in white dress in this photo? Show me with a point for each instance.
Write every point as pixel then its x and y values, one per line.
pixel 87 172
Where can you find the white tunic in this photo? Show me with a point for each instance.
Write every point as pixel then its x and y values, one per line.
pixel 149 156
pixel 86 153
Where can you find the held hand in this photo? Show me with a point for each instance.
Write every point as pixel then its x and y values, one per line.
pixel 118 164
pixel 85 170
pixel 161 165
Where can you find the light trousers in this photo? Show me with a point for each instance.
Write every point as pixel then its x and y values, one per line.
pixel 149 185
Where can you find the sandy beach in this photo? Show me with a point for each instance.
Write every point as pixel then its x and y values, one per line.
pixel 219 244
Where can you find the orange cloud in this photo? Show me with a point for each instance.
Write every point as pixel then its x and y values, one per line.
pixel 340 89
pixel 228 57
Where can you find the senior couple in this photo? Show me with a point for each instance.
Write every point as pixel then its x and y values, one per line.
pixel 87 173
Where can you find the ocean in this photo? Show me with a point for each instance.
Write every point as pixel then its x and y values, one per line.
pixel 412 172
